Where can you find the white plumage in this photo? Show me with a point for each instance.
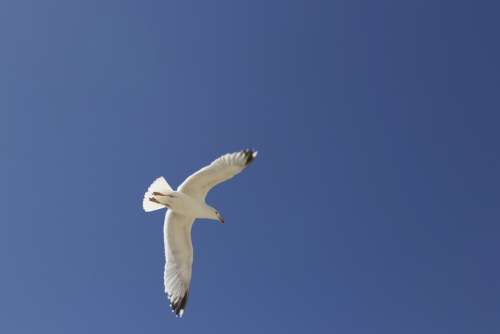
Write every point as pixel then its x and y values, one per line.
pixel 185 205
pixel 159 185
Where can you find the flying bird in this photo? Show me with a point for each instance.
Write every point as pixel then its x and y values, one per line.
pixel 185 205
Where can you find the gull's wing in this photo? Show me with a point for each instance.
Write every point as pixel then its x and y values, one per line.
pixel 179 259
pixel 221 169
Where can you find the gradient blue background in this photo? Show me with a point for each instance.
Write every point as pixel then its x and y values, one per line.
pixel 373 206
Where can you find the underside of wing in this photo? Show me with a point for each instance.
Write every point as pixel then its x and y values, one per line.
pixel 179 259
pixel 220 170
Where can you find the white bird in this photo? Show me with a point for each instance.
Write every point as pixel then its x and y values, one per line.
pixel 184 206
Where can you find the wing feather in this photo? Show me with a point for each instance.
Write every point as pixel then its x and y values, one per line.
pixel 220 170
pixel 178 259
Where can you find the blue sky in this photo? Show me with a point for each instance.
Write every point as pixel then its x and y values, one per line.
pixel 373 206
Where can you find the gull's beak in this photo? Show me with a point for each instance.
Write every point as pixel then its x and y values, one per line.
pixel 221 220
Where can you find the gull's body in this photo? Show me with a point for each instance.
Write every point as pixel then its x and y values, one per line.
pixel 184 206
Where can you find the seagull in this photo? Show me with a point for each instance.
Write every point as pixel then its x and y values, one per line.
pixel 185 205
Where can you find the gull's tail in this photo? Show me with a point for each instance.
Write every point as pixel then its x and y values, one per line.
pixel 150 203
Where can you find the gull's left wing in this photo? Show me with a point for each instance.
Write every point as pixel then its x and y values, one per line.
pixel 178 259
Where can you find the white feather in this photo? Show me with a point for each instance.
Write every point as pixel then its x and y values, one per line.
pixel 159 185
pixel 222 169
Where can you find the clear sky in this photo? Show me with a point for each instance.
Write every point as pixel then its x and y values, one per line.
pixel 373 206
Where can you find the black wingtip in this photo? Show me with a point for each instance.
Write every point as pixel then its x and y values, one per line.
pixel 179 306
pixel 250 156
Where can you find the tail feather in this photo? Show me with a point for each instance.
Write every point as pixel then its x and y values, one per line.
pixel 159 185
